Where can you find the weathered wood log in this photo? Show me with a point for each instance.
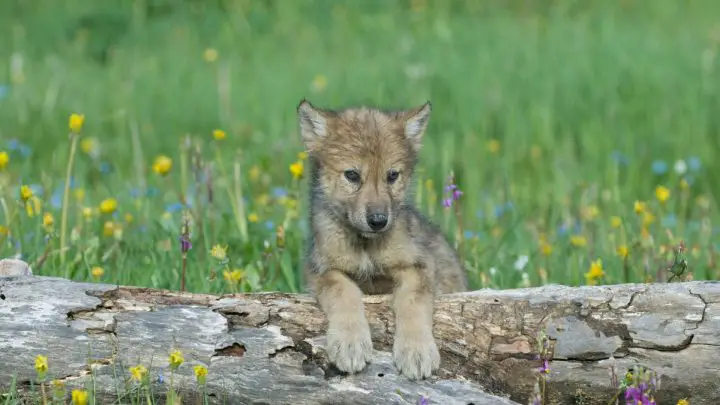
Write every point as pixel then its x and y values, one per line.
pixel 267 348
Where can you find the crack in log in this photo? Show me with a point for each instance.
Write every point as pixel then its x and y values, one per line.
pixel 234 350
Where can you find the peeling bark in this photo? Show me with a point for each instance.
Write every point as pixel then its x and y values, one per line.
pixel 268 347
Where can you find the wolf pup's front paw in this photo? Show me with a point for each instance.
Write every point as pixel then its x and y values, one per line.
pixel 416 357
pixel 349 345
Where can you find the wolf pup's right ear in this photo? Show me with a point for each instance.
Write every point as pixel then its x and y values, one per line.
pixel 313 124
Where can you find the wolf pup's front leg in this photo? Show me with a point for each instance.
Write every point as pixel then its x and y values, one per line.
pixel 349 345
pixel 414 351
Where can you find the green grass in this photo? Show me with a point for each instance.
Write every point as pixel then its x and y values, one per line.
pixel 581 97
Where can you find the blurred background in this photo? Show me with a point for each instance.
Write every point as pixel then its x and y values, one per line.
pixel 582 134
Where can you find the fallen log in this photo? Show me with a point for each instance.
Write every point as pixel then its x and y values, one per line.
pixel 267 348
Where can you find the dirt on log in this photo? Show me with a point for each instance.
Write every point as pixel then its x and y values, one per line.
pixel 267 348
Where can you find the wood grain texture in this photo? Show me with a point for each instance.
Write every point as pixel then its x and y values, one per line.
pixel 268 347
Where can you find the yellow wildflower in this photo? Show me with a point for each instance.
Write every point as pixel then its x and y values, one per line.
pixel 493 146
pixel 176 359
pixel 253 217
pixel 108 206
pixel 200 373
pixel 25 192
pixel 219 252
pixel 58 386
pixel 219 134
pixel 109 228
pixel 41 364
pixel 138 372
pixel 623 251
pixel 615 221
pixel 302 155
pixel 595 273
pixel 683 401
pixel 97 271
pixel 76 122
pixel 162 165
pixel 578 240
pixel 4 159
pixel 129 218
pixel 640 207
pixel 545 247
pixel 662 193
pixel 319 83
pixel 210 55
pixel 297 169
pixel 33 206
pixel 79 397
pixel 88 145
pixel 233 276
pixel 255 172
pixel 4 230
pixel 48 220
pixel 290 203
pixel 87 212
pixel 263 199
pixel 80 194
pixel 591 212
pixel 648 218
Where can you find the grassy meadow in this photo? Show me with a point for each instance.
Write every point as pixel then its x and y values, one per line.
pixel 582 134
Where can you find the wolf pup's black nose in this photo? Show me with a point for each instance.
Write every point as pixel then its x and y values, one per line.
pixel 377 221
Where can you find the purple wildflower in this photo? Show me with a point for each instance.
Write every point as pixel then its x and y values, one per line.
pixel 545 368
pixel 452 191
pixel 185 243
pixel 422 400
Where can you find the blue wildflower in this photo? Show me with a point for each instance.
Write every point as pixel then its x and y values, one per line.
pixel 56 199
pixel 279 192
pixel 151 192
pixel 669 221
pixel 619 158
pixel 694 163
pixel 4 90
pixel 500 210
pixel 269 225
pixel 174 207
pixel 105 168
pixel 659 167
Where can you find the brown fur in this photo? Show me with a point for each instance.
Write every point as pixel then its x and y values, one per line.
pixel 346 257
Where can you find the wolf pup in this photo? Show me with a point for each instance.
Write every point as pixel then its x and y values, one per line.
pixel 367 238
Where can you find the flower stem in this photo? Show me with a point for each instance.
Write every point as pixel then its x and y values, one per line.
pixel 66 196
pixel 184 266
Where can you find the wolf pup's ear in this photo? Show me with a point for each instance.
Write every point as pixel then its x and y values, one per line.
pixel 313 124
pixel 416 121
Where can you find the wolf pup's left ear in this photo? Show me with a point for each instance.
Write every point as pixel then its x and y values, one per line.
pixel 416 121
pixel 313 124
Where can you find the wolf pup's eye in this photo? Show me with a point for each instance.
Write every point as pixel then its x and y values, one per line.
pixel 352 175
pixel 392 176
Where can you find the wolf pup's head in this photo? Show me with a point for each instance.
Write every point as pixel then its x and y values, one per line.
pixel 363 159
